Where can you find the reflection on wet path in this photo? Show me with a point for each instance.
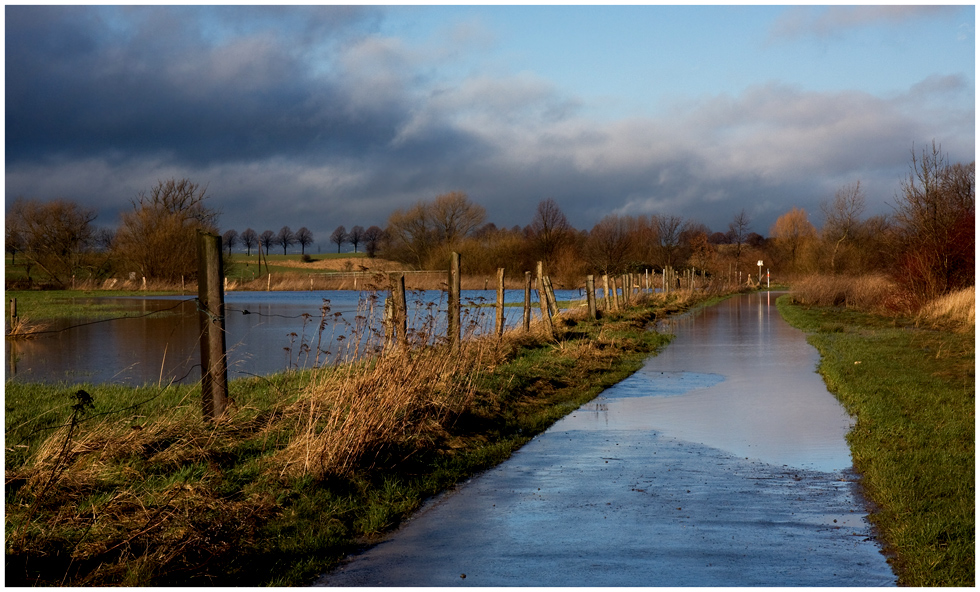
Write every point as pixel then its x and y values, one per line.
pixel 749 388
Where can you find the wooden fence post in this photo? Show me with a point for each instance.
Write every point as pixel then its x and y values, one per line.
pixel 605 290
pixel 211 317
pixel 454 302
pixel 549 329
pixel 396 312
pixel 615 292
pixel 500 301
pixel 590 295
pixel 13 309
pixel 550 293
pixel 527 301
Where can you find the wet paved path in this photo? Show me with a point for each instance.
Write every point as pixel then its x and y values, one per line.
pixel 721 463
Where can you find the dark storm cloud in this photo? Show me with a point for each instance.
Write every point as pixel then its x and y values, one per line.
pixel 167 82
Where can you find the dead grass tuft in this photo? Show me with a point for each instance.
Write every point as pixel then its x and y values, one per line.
pixel 22 327
pixel 955 311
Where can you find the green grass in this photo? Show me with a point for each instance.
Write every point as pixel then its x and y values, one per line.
pixel 206 505
pixel 912 392
pixel 46 305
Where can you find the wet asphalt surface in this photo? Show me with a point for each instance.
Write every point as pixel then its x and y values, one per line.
pixel 640 487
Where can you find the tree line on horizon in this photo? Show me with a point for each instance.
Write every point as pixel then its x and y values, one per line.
pixel 927 244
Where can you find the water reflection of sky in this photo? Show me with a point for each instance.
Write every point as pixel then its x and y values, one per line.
pixel 267 332
pixel 736 377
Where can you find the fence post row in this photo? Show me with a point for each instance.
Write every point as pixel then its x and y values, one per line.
pixel 211 318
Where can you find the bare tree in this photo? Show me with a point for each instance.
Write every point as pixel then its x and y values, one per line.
pixel 372 240
pixel 549 230
pixel 52 235
pixel 411 235
pixel 249 239
pixel 935 214
pixel 229 239
pixel 13 241
pixel 738 232
pixel 842 218
pixel 669 235
pixel 286 238
pixel 355 236
pixel 339 237
pixel 453 217
pixel 609 244
pixel 792 233
pixel 305 238
pixel 159 237
pixel 267 239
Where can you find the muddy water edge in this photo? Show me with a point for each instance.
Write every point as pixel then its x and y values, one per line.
pixel 721 462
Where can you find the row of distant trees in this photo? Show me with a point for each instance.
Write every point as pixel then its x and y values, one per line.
pixel 285 238
pixel 927 243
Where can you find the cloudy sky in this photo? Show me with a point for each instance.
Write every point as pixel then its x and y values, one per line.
pixel 321 116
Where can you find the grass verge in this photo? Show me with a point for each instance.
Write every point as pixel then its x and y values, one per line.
pixel 912 392
pixel 107 485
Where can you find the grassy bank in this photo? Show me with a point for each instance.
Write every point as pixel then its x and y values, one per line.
pixel 912 392
pixel 115 485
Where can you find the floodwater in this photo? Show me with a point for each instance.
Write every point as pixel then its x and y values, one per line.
pixel 722 462
pixel 266 332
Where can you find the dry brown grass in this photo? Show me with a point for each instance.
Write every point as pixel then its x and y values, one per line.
pixel 874 293
pixel 954 311
pixel 23 327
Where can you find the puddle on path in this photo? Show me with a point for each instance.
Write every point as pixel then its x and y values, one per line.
pixel 738 378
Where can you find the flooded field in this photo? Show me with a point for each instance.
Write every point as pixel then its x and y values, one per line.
pixel 267 332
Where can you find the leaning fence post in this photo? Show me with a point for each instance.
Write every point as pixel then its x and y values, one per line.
pixel 211 316
pixel 543 302
pixel 527 301
pixel 500 301
pixel 454 302
pixel 590 295
pixel 550 292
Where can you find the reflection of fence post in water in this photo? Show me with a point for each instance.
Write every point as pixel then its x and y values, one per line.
pixel 527 301
pixel 500 301
pixel 590 295
pixel 454 302
pixel 211 316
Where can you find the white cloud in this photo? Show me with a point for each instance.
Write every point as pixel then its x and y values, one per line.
pixel 831 20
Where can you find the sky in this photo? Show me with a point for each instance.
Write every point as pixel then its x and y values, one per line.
pixel 321 116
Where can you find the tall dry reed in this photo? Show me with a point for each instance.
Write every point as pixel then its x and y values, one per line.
pixel 867 292
pixel 955 311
